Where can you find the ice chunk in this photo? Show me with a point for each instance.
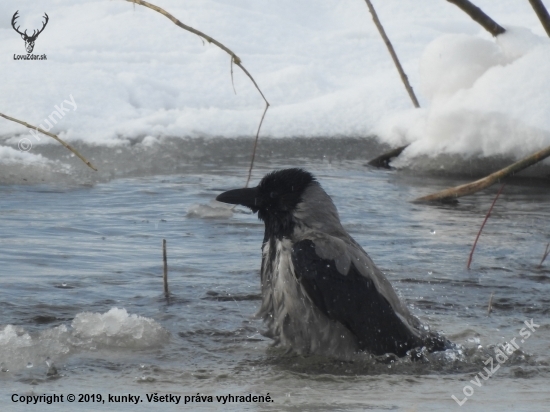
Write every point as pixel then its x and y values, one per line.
pixel 213 210
pixel 116 328
pixel 19 348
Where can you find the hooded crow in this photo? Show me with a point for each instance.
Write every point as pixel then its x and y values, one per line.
pixel 321 292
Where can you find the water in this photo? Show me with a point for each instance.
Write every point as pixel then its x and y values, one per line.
pixel 82 283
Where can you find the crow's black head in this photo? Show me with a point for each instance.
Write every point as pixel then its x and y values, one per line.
pixel 274 198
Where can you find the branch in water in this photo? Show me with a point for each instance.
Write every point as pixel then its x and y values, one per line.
pixel 470 188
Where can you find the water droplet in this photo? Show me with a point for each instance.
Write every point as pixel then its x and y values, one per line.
pixel 430 272
pixel 432 232
pixel 29 365
pixel 64 285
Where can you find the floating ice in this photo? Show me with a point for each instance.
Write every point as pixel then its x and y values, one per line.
pixel 20 349
pixel 213 210
pixel 116 328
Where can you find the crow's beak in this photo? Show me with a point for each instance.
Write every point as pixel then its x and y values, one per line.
pixel 246 197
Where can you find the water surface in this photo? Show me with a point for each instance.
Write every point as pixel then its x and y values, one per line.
pixel 81 277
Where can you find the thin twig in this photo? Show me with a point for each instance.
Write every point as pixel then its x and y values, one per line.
pixel 38 129
pixel 232 81
pixel 234 59
pixel 384 159
pixel 254 150
pixel 483 224
pixel 470 188
pixel 544 256
pixel 490 308
pixel 479 16
pixel 165 261
pixel 394 57
pixel 542 14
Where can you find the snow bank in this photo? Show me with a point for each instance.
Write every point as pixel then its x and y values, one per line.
pixel 321 64
pixel 487 98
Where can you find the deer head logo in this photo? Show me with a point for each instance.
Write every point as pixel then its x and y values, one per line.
pixel 29 40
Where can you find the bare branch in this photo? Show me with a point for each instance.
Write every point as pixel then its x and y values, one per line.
pixel 542 14
pixel 234 60
pixel 384 159
pixel 479 16
pixel 394 57
pixel 68 146
pixel 470 188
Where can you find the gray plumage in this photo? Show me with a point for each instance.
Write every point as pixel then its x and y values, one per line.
pixel 321 292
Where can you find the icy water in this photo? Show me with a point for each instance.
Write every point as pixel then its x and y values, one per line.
pixel 81 284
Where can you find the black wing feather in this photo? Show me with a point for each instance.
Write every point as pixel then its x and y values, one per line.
pixel 352 300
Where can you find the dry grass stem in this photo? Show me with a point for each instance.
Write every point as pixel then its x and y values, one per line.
pixel 234 60
pixel 490 307
pixel 53 136
pixel 165 262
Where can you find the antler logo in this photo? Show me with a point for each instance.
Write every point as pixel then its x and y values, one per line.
pixel 29 40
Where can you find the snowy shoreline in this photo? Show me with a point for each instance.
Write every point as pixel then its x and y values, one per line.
pixel 321 65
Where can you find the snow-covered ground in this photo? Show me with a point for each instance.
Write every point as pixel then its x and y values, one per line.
pixel 321 64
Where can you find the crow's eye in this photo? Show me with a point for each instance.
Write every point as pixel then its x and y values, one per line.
pixel 273 195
